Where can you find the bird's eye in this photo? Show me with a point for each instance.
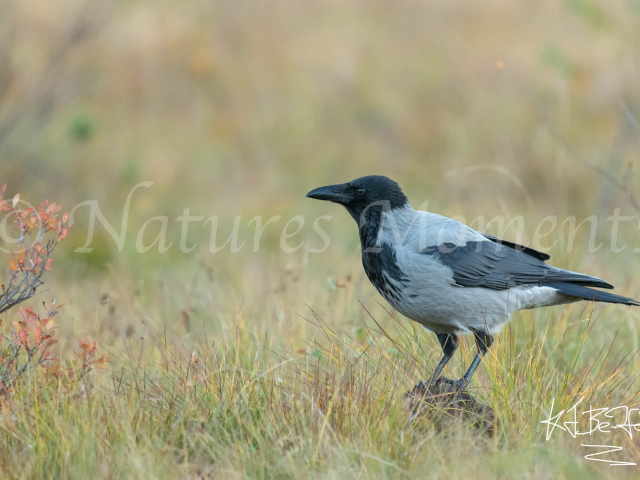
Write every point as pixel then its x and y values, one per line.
pixel 361 191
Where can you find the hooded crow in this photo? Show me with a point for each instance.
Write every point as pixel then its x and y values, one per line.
pixel 448 277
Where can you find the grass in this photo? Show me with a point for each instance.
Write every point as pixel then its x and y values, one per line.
pixel 234 398
pixel 267 364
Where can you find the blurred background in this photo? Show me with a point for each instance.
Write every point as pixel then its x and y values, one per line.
pixel 236 108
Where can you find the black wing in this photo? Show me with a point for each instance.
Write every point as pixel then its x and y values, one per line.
pixel 500 265
pixel 520 248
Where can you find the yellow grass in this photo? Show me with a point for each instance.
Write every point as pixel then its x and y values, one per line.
pixel 256 364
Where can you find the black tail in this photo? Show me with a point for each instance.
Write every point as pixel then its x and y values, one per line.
pixel 590 294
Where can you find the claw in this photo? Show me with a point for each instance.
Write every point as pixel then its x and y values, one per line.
pixel 460 385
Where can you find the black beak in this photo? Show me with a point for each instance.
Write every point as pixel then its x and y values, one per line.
pixel 333 193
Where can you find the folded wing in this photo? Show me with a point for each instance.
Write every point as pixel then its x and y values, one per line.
pixel 500 265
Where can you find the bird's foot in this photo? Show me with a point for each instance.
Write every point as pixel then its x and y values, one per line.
pixel 442 384
pixel 428 384
pixel 459 385
pixel 451 386
pixel 424 385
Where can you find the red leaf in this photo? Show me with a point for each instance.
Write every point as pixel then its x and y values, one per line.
pixel 63 234
pixel 23 336
pixel 28 314
pixel 48 265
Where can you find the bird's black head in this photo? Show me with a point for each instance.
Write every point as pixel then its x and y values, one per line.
pixel 372 193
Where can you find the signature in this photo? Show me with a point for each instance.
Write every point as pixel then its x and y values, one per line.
pixel 603 420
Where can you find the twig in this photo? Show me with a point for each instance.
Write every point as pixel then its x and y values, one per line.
pixel 632 119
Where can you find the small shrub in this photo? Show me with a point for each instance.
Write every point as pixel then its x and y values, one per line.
pixel 34 234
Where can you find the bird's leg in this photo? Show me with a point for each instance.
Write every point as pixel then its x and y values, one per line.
pixel 449 344
pixel 484 342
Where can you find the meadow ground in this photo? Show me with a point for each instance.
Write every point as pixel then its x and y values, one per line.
pixel 262 360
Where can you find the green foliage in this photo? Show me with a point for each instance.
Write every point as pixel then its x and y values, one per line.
pixel 589 11
pixel 82 128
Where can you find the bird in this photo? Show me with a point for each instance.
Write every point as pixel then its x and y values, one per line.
pixel 448 277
